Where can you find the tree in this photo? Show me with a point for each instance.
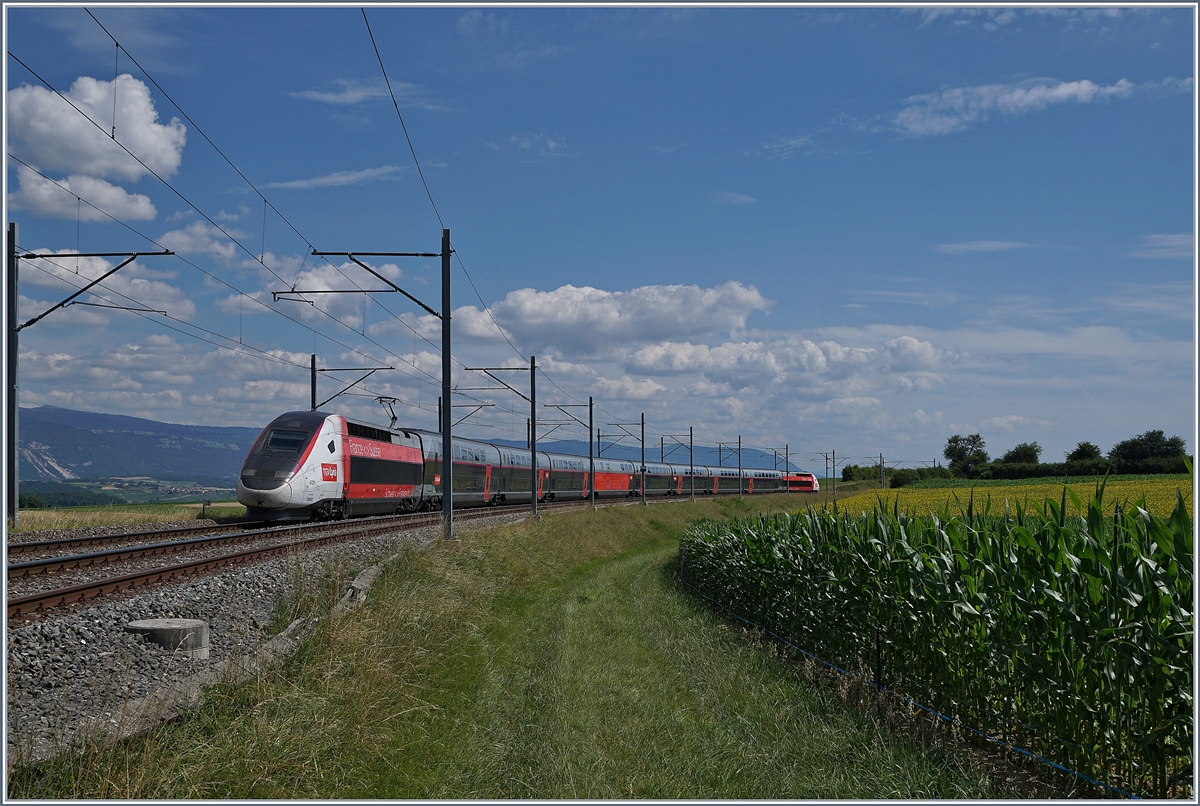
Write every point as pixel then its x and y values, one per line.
pixel 965 453
pixel 31 501
pixel 1083 452
pixel 1151 452
pixel 1026 453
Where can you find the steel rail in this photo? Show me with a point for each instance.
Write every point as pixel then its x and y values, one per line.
pixel 25 606
pixel 45 600
pixel 53 565
pixel 32 546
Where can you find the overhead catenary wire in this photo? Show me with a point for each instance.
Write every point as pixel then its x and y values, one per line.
pixel 256 259
pixel 260 257
pixel 231 287
pixel 421 173
pixel 207 139
pixel 263 354
pixel 234 346
pixel 396 105
pixel 266 201
pixel 149 170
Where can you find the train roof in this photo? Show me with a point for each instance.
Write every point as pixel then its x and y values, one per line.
pixel 570 459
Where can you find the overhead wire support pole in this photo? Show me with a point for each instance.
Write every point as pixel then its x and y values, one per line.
pixel 533 468
pixel 12 424
pixel 678 440
pixel 625 427
pixel 12 486
pixel 643 458
pixel 132 256
pixel 447 475
pixel 533 430
pixel 447 460
pixel 591 462
pixel 314 372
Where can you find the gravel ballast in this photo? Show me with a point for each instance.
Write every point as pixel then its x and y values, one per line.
pixel 77 664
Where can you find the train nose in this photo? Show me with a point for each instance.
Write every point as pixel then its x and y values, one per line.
pixel 277 498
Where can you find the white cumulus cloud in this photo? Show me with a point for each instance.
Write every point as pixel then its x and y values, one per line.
pixel 348 93
pixel 60 199
pixel 583 320
pixel 199 238
pixel 44 130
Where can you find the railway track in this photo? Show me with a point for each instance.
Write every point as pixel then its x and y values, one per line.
pixel 149 536
pixel 268 542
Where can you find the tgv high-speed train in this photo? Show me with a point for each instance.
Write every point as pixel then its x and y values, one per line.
pixel 311 464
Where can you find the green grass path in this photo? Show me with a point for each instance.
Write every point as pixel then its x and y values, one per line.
pixel 615 684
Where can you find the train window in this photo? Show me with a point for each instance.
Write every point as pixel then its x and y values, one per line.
pixel 364 470
pixel 285 442
pixel 367 432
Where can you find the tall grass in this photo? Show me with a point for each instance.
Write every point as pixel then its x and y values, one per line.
pixel 1070 636
pixel 35 520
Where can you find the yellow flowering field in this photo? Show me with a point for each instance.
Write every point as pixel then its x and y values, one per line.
pixel 1159 495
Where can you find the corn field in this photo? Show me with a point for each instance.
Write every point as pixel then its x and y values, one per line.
pixel 1066 635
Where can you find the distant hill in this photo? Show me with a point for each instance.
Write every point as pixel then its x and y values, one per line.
pixel 61 444
pixel 65 445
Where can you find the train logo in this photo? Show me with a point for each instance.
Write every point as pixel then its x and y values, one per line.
pixel 328 472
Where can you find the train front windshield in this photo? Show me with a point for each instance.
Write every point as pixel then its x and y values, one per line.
pixel 279 447
pixel 284 442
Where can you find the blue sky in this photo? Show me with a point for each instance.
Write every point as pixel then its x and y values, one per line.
pixel 835 228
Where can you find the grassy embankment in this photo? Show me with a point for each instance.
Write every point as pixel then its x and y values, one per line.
pixel 545 659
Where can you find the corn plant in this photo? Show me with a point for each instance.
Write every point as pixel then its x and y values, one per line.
pixel 1068 635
